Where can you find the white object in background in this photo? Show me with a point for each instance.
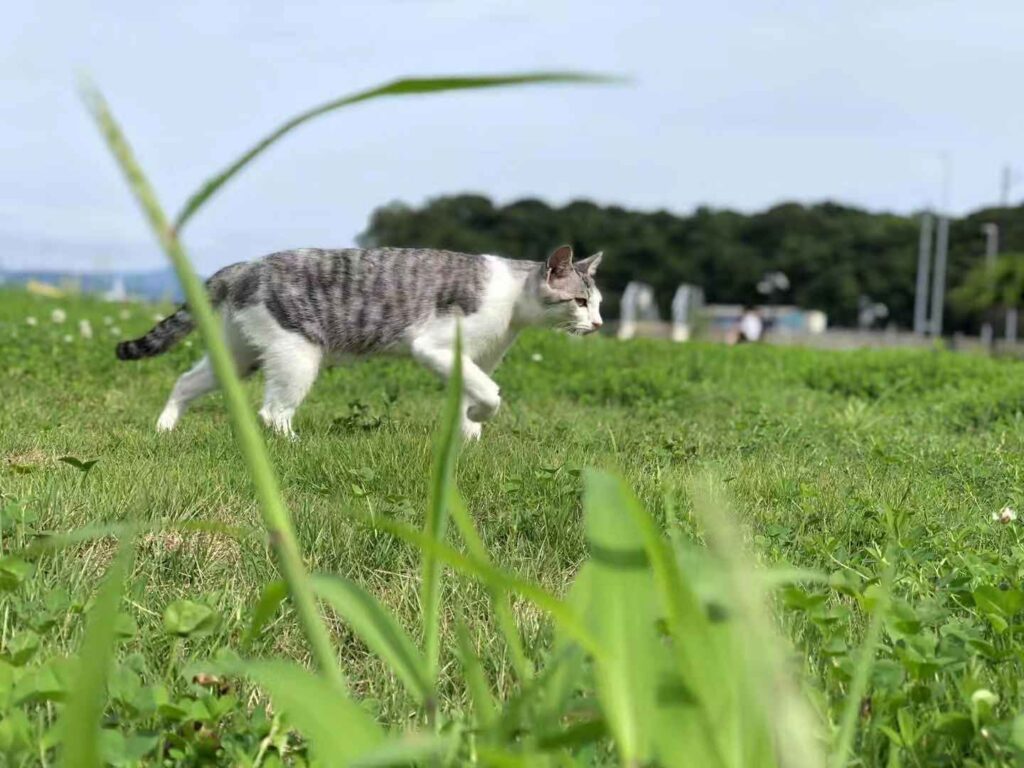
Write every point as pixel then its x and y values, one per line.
pixel 817 321
pixel 751 326
pixel 685 305
pixel 117 291
pixel 637 304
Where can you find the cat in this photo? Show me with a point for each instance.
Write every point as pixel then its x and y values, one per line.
pixel 291 312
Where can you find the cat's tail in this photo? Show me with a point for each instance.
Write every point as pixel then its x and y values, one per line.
pixel 177 326
pixel 160 338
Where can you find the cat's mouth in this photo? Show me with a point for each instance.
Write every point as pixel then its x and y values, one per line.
pixel 575 329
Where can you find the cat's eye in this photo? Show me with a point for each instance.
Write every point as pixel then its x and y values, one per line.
pixel 581 302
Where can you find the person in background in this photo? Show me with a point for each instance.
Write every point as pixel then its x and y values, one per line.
pixel 750 327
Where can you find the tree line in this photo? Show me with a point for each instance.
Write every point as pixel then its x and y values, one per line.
pixel 832 254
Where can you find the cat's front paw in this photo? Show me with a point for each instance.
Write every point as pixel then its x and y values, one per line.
pixel 168 419
pixel 471 431
pixel 483 411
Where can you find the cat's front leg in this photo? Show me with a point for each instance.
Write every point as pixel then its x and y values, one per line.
pixel 483 411
pixel 479 388
pixel 470 430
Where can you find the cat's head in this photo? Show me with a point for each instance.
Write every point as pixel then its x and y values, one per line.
pixel 568 294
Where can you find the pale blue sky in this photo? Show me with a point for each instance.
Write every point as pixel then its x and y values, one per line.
pixel 734 104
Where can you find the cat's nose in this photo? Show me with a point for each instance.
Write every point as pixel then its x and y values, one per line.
pixel 597 324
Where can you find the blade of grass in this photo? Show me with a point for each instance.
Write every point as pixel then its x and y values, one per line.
pixel 775 725
pixel 271 597
pixel 445 454
pixel 339 729
pixel 862 672
pixel 405 86
pixel 546 693
pixel 379 630
pixel 496 578
pixel 408 750
pixel 81 721
pixel 276 517
pixel 692 644
pixel 476 680
pixel 499 598
pixel 622 616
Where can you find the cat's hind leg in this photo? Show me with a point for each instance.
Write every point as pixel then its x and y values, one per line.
pixel 200 379
pixel 194 383
pixel 290 365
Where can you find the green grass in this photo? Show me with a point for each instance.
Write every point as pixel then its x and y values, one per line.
pixel 826 457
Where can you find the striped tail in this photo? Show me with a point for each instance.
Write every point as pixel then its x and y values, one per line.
pixel 162 337
pixel 173 329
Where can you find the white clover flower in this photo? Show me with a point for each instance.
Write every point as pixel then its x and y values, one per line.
pixel 68 338
pixel 85 329
pixel 58 315
pixel 124 314
pixel 31 320
pixel 1005 515
pixel 158 317
pixel 108 320
pixel 536 357
pixel 115 330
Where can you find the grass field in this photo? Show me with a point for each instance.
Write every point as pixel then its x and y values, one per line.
pixel 827 458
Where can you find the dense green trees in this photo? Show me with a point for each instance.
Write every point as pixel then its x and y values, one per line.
pixel 832 253
pixel 998 287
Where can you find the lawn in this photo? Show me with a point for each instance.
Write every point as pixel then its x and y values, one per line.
pixel 828 459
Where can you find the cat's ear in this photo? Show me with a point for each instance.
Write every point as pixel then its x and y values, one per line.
pixel 590 264
pixel 560 261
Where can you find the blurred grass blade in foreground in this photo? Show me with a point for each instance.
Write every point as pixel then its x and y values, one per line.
pixel 276 517
pixel 484 705
pixel 87 699
pixel 436 522
pixel 771 722
pixel 842 751
pixel 339 729
pixel 381 632
pixel 499 598
pixel 406 86
pixel 621 614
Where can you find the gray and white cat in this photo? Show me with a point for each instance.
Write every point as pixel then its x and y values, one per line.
pixel 291 312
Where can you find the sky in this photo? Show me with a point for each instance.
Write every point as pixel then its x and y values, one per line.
pixel 889 105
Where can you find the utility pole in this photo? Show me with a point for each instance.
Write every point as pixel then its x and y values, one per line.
pixel 939 278
pixel 924 259
pixel 991 232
